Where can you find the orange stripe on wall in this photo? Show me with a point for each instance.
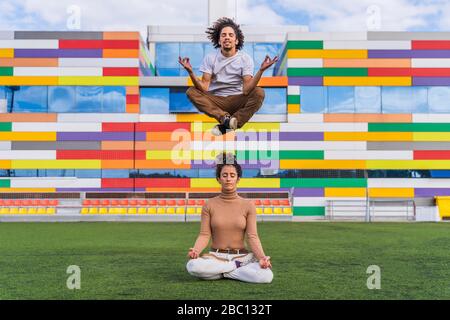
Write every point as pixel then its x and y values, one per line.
pixel 273 82
pixel 28 117
pixel 28 62
pixel 159 145
pixel 369 117
pixel 118 35
pixel 160 164
pixel 132 90
pixel 120 53
pixel 117 164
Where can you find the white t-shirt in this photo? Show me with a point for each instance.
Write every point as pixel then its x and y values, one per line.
pixel 226 73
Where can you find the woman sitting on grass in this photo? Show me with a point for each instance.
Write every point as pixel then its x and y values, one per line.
pixel 227 218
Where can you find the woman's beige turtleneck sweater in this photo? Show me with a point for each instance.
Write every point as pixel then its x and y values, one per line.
pixel 228 218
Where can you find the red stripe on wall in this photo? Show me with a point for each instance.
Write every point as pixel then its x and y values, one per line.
pixel 162 126
pixel 95 154
pixel 132 98
pixel 117 183
pixel 431 72
pixel 431 154
pixel 430 44
pixel 124 72
pixel 99 44
pixel 162 182
pixel 117 127
pixel 140 154
pixel 389 72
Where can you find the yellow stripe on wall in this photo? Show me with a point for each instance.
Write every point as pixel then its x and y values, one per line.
pixel 293 108
pixel 253 126
pixel 28 136
pixel 367 81
pixel 27 190
pixel 195 117
pixel 408 164
pixel 55 164
pixel 6 53
pixel 391 192
pixel 98 81
pixel 328 54
pixel 431 136
pixel 345 192
pixel 5 164
pixel 322 164
pixel 368 136
pixel 243 183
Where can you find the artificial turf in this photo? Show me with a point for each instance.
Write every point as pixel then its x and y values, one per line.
pixel 147 261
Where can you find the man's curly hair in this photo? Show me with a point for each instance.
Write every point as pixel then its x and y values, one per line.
pixel 214 32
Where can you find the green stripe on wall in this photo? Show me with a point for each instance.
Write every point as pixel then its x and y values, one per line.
pixel 305 44
pixel 6 71
pixel 5 126
pixel 257 155
pixel 309 211
pixel 409 127
pixel 301 154
pixel 5 183
pixel 293 100
pixel 330 72
pixel 323 182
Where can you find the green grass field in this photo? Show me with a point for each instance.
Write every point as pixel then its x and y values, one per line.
pixel 147 261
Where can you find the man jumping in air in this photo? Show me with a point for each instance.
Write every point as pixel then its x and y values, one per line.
pixel 227 91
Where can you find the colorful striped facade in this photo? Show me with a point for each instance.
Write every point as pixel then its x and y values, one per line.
pixel 331 142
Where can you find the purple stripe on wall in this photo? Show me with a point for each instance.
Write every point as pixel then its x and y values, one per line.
pixel 99 189
pixel 431 81
pixel 273 164
pixel 262 189
pixel 257 136
pixel 409 53
pixel 430 192
pixel 309 192
pixel 99 136
pixel 58 53
pixel 301 136
pixel 305 81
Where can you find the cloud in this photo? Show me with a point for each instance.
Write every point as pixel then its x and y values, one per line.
pixel 253 13
pixel 351 15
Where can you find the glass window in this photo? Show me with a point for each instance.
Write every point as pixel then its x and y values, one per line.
pixel 313 99
pixel 168 72
pixel 89 99
pixel 3 101
pixel 192 173
pixel 2 92
pixel 439 99
pixel 4 173
pixel 195 53
pixel 206 173
pixel 274 101
pixel 24 173
pixel 60 173
pixel 249 49
pixel 341 100
pixel 163 173
pixel 404 99
pixel 208 48
pixel 29 98
pixel 61 99
pixel 88 173
pixel 154 100
pixel 367 99
pixel 167 54
pixel 179 102
pixel 114 100
pixel 120 173
pixel 260 50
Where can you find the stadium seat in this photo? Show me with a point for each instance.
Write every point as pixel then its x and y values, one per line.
pixel 122 210
pixel 44 202
pixel 93 210
pixel 200 202
pixel 142 210
pixel 151 210
pixel 41 210
pixel 170 210
pixel 124 202
pixel 105 202
pixel 17 203
pixel 181 202
pixel 275 202
pixel 161 210
pixel 32 210
pixel 87 202
pixel 84 210
pixel 35 202
pixel 2 202
pixel 268 210
pixel 180 210
pixel 133 202
pixel 51 210
pixel 4 211
pixel 284 203
pixel 257 202
pixel 190 210
pixel 53 202
pixel 143 202
pixel 103 210
pixel 199 210
pixel 23 210
pixel 112 210
pixel 277 210
pixel 132 210
pixel 9 203
pixel 171 203
pixel 162 202
pixel 259 210
pixel 266 202
pixel 287 210
pixel 95 202
pixel 14 210
pixel 153 202
pixel 191 202
pixel 115 203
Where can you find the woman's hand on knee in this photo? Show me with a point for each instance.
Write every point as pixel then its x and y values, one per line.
pixel 264 262
pixel 193 254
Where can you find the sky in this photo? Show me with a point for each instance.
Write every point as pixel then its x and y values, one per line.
pixel 318 15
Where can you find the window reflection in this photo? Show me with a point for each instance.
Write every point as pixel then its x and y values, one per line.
pixel 167 54
pixel 439 99
pixel 154 100
pixel 29 99
pixel 404 99
pixel 313 99
pixel 341 100
pixel 114 100
pixel 274 101
pixel 179 101
pixel 61 99
pixel 89 99
pixel 367 99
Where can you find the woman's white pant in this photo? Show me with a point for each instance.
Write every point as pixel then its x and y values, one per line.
pixel 222 265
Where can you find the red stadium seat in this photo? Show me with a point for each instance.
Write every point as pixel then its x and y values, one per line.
pixel 105 202
pixel 9 203
pixel 181 202
pixel 95 202
pixel 133 202
pixel 171 203
pixel 153 202
pixel 87 202
pixel 266 202
pixel 285 203
pixel 44 202
pixel 162 202
pixel 257 202
pixel 143 202
pixel 200 202
pixel 275 202
pixel 115 203
pixel 191 202
pixel 124 202
pixel 53 202
pixel 17 202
